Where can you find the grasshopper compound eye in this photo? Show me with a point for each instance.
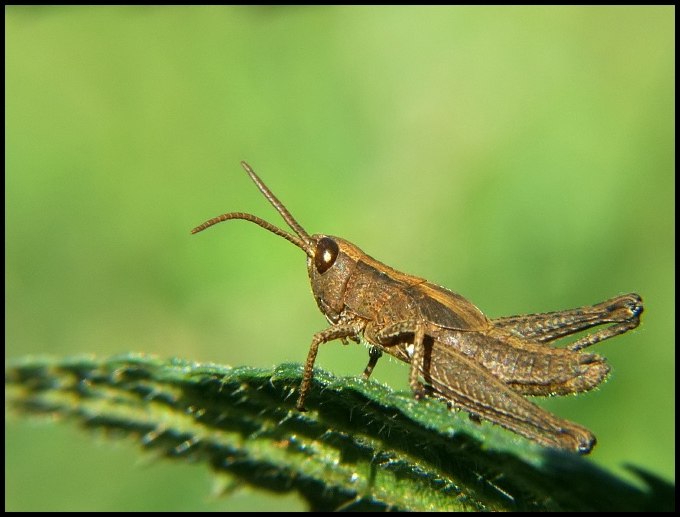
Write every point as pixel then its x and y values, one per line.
pixel 325 254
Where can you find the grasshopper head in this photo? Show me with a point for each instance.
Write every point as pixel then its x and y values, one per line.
pixel 332 262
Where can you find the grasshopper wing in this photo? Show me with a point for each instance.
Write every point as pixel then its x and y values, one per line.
pixel 469 386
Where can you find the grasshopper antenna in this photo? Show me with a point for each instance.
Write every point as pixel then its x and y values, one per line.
pixel 301 240
pixel 277 204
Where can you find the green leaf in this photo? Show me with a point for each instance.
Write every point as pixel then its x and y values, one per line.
pixel 361 446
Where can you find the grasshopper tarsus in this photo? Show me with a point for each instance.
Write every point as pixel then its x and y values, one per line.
pixel 484 366
pixel 623 310
pixel 374 353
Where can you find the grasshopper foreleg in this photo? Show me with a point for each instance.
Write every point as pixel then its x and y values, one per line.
pixel 331 333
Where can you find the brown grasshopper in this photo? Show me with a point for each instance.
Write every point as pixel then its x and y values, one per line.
pixel 484 366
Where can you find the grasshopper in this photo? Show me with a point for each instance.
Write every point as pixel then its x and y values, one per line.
pixel 481 365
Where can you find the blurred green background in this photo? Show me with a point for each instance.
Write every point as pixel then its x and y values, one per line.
pixel 523 157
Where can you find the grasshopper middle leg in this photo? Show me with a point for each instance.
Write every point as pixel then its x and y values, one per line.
pixel 415 351
pixel 374 353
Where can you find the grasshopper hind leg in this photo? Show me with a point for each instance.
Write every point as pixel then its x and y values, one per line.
pixel 624 311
